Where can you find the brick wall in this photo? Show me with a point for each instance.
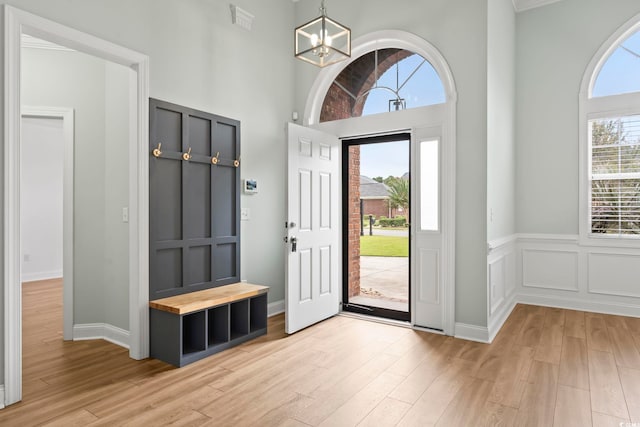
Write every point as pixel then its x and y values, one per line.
pixel 358 78
pixel 375 207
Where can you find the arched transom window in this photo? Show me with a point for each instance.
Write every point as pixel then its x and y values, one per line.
pixel 621 72
pixel 381 81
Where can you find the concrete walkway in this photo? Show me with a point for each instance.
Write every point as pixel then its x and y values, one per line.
pixel 384 282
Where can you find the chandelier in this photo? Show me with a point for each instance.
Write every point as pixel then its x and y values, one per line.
pixel 322 41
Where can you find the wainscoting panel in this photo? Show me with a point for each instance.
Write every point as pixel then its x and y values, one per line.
pixel 602 279
pixel 557 271
pixel 497 286
pixel 550 269
pixel 510 271
pixel 614 274
pixel 501 280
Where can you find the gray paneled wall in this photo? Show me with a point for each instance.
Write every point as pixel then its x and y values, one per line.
pixel 194 231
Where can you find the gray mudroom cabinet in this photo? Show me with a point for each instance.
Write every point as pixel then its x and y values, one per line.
pixel 194 227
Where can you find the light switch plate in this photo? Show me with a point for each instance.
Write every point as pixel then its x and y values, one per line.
pixel 245 214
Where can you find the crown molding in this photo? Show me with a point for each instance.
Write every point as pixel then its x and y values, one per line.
pixel 522 5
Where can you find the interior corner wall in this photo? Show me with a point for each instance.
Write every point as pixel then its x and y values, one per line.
pixel 54 78
pixel 459 31
pixel 555 43
pixel 500 119
pixel 2 96
pixel 116 195
pixel 501 145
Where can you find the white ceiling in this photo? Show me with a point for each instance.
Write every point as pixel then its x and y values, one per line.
pixel 521 5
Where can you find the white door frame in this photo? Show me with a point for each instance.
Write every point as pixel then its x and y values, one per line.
pixel 442 115
pixel 16 23
pixel 67 116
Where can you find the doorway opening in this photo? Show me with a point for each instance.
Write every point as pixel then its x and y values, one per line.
pixel 46 239
pixel 18 23
pixel 376 188
pixel 46 198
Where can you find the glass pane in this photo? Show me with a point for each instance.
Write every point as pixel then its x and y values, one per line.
pixel 429 185
pixel 621 72
pixel 615 145
pixel 382 81
pixel 615 206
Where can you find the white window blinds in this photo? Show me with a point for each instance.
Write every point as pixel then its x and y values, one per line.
pixel 615 175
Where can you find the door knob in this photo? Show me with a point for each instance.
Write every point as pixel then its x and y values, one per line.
pixel 294 244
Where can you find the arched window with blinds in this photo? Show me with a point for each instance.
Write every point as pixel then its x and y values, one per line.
pixel 613 119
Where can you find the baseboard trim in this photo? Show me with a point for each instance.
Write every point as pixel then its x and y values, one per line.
pixel 472 332
pixel 1 396
pixel 614 308
pixel 275 308
pixel 501 316
pixel 101 331
pixel 44 275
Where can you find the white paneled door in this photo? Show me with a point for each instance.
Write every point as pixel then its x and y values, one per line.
pixel 313 258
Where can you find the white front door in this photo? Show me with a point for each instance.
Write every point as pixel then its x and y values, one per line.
pixel 427 236
pixel 313 260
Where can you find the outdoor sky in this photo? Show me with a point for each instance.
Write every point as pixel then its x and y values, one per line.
pixel 384 159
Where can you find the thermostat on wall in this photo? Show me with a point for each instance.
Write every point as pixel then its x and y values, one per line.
pixel 250 186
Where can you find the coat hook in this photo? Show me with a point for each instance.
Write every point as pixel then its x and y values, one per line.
pixel 187 155
pixel 157 152
pixel 236 162
pixel 214 160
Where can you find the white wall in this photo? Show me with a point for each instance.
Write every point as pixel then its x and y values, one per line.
pixel 2 94
pixel 459 31
pixel 41 198
pixel 501 173
pixel 501 220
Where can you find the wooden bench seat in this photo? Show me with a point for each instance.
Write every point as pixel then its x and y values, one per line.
pixel 199 300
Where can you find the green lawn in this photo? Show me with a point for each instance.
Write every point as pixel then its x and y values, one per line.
pixel 384 246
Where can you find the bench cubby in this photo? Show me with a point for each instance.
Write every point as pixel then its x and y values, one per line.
pixel 218 319
pixel 258 313
pixel 189 327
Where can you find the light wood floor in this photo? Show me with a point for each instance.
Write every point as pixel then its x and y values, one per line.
pixel 547 367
